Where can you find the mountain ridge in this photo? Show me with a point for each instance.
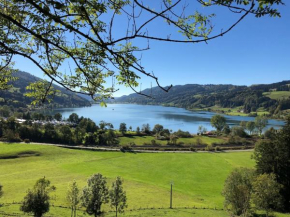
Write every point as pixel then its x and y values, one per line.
pixel 15 96
pixel 223 97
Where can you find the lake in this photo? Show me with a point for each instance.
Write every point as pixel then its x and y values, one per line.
pixel 170 117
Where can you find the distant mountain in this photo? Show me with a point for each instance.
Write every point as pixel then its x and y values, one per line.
pixel 87 97
pixel 16 97
pixel 244 99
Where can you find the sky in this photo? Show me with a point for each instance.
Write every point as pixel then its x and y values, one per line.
pixel 256 51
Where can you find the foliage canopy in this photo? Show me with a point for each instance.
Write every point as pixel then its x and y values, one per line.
pixel 237 191
pixel 95 194
pixel 75 43
pixel 274 157
pixel 118 196
pixel 266 193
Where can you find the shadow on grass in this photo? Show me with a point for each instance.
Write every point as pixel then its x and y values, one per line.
pixel 128 151
pixel 20 154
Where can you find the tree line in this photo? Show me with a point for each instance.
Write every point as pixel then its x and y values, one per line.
pixel 221 126
pixel 37 201
pixel 75 130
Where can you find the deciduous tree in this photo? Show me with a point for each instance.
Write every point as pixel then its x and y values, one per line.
pixel 74 118
pixel 95 194
pixel 37 200
pixel 250 126
pixel 118 196
pixel 218 122
pixel 274 157
pixel 237 191
pixel 157 130
pixel 266 193
pixel 260 123
pixel 73 197
pixel 58 116
pixel 123 128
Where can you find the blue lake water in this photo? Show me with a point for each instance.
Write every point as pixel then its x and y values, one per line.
pixel 170 117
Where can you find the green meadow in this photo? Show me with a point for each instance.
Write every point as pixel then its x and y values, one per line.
pixel 140 140
pixel 277 95
pixel 198 178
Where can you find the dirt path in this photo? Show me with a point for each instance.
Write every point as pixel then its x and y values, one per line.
pixel 133 151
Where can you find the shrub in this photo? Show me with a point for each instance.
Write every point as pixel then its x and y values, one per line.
pixel 126 148
pixel 192 149
pixel 180 143
pixel 239 131
pixel 209 148
pixel 237 191
pixel 11 136
pixel 131 144
pixel 217 148
pixel 198 141
pixel 232 140
pixel 266 193
pixel 183 134
pixel 227 130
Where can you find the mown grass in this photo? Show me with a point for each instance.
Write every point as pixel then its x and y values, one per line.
pixel 198 177
pixel 141 140
pixel 277 95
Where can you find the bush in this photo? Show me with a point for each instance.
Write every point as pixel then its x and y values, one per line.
pixel 217 148
pixel 233 140
pixel 227 130
pixel 126 148
pixel 11 136
pixel 239 131
pixel 180 143
pixel 183 134
pixel 209 148
pixel 192 149
pixel 237 191
pixel 198 141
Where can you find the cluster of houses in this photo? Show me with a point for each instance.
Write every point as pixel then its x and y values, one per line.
pixel 43 122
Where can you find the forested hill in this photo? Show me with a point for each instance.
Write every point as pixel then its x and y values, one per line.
pixel 272 99
pixel 15 96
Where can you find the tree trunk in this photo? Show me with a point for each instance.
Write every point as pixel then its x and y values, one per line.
pixel 116 211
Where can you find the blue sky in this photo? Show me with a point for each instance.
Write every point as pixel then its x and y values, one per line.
pixel 254 52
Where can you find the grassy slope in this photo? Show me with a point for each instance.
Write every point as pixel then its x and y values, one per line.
pixel 198 177
pixel 277 95
pixel 140 140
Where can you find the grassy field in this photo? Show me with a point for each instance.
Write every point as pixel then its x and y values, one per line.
pixel 140 140
pixel 277 95
pixel 198 177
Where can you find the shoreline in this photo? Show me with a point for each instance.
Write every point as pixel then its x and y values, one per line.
pixel 199 110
